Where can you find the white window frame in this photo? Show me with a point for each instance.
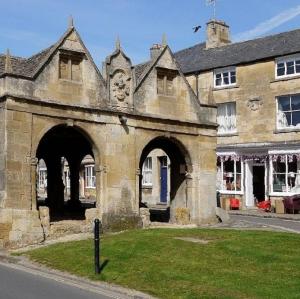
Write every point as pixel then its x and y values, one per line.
pixel 227 132
pixel 147 172
pixel 285 60
pixel 89 178
pixel 222 72
pixel 239 192
pixel 278 127
pixel 271 172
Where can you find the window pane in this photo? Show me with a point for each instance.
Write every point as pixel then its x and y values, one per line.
pixel 295 102
pixel 279 166
pixel 233 78
pixel 226 78
pixel 238 184
pixel 218 80
pixel 238 167
pixel 279 183
pixel 290 67
pixel 288 116
pixel 295 118
pixel 280 69
pixel 284 103
pixel 297 66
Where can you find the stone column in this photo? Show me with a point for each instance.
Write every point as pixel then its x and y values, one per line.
pixel 55 186
pixel 74 182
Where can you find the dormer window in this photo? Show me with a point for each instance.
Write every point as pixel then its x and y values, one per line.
pixel 225 77
pixel 165 82
pixel 70 67
pixel 288 66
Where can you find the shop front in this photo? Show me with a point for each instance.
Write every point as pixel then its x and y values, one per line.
pixel 253 177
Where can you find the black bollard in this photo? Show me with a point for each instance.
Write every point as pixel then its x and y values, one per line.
pixel 97 245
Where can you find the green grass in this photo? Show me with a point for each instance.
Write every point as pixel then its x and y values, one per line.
pixel 234 264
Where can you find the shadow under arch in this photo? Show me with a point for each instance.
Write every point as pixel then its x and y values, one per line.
pixel 73 144
pixel 180 166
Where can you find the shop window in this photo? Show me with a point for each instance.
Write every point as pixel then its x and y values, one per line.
pixel 229 175
pixel 90 176
pixel 225 77
pixel 288 112
pixel 165 82
pixel 70 67
pixel 285 174
pixel 226 118
pixel 147 172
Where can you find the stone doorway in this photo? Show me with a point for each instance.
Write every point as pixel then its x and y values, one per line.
pixel 67 155
pixel 172 157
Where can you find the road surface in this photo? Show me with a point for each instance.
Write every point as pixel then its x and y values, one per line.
pixel 287 225
pixel 20 284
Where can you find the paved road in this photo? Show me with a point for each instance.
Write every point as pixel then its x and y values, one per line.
pixel 288 225
pixel 19 284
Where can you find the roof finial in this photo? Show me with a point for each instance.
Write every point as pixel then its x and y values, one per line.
pixel 118 43
pixel 164 40
pixel 71 22
pixel 8 65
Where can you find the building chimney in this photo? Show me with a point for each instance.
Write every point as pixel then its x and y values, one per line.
pixel 155 50
pixel 217 34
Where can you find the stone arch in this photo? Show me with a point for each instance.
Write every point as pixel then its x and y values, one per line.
pixel 180 169
pixel 73 144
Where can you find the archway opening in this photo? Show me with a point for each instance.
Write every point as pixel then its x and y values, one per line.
pixel 64 150
pixel 164 166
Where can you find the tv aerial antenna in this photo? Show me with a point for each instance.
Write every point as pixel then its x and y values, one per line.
pixel 212 3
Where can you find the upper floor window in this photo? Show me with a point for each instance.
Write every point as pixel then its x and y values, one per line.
pixel 165 82
pixel 288 67
pixel 288 111
pixel 225 77
pixel 226 118
pixel 70 67
pixel 147 172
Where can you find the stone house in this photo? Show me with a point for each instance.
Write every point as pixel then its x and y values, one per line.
pixel 256 86
pixel 57 104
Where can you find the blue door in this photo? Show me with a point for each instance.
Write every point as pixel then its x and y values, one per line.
pixel 163 179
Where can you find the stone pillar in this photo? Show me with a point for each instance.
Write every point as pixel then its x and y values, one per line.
pixel 55 186
pixel 74 182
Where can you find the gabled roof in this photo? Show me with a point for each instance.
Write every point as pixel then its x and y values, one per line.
pixel 24 67
pixel 197 58
pixel 29 67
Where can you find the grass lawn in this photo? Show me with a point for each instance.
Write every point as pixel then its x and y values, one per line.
pixel 234 264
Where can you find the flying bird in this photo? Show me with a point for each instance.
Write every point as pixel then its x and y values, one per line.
pixel 196 28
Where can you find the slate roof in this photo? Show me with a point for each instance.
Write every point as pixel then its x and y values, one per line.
pixel 25 67
pixel 197 58
pixel 139 68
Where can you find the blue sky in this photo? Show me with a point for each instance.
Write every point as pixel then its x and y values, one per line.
pixel 28 26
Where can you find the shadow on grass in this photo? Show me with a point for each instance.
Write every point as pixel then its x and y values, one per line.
pixel 103 265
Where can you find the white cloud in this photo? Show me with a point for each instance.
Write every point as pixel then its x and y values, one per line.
pixel 269 25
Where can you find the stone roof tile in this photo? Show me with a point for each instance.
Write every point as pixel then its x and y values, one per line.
pixel 197 58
